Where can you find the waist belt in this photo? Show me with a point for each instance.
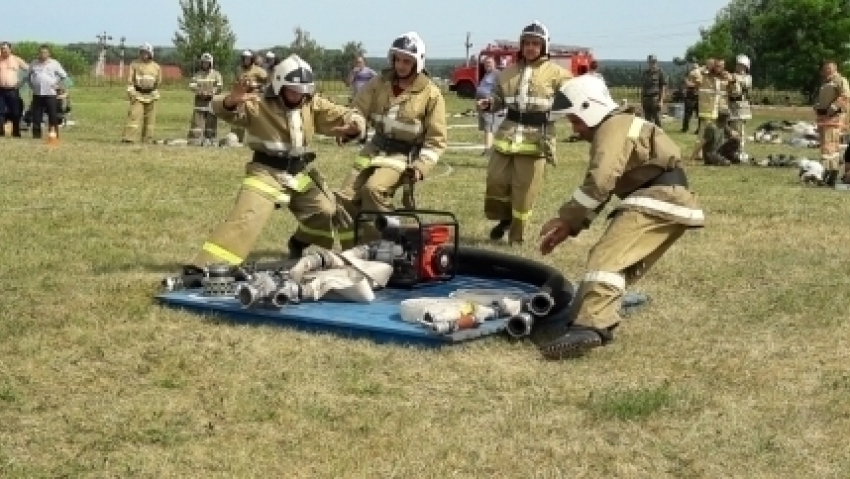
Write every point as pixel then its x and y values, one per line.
pixel 528 118
pixel 392 146
pixel 674 177
pixel 291 164
pixel 737 98
pixel 144 91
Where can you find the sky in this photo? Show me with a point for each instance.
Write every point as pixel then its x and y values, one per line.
pixel 613 29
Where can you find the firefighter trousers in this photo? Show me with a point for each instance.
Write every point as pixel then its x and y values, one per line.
pixel 371 189
pixel 141 116
pixel 513 184
pixel 203 125
pixel 830 137
pixel 630 246
pixel 262 189
pixel 239 132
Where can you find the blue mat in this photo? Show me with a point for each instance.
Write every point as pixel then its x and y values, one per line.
pixel 378 320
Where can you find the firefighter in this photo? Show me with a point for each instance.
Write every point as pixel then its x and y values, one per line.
pixel 636 161
pixel 712 91
pixel 408 113
pixel 256 77
pixel 738 91
pixel 280 128
pixel 830 110
pixel 653 90
pixel 692 83
pixel 143 92
pixel 720 144
pixel 206 83
pixel 525 140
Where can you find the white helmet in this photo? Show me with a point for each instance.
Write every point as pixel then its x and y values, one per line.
pixel 270 55
pixel 206 57
pixel 409 44
pixel 536 29
pixel 805 163
pixel 293 73
pixel 147 48
pixel 743 60
pixel 586 97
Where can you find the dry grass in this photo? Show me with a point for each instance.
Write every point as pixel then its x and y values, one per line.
pixel 737 369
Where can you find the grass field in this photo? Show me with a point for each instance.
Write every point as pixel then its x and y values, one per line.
pixel 738 367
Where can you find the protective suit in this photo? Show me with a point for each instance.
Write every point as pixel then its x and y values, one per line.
pixel 253 73
pixel 206 83
pixel 720 143
pixel 634 160
pixel 410 133
pixel 713 96
pixel 738 91
pixel 831 108
pixel 811 172
pixel 143 82
pixel 525 140
pixel 280 134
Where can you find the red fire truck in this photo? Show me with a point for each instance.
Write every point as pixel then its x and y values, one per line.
pixel 465 78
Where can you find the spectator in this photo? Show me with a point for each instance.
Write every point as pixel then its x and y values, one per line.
pixel 12 68
pixel 45 78
pixel 359 76
pixel 488 122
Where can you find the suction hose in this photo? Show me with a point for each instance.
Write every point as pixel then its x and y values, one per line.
pixel 553 298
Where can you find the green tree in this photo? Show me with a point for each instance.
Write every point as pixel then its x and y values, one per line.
pixel 203 28
pixel 786 40
pixel 73 62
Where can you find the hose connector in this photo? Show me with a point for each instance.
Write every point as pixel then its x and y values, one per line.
pixel 540 304
pixel 519 326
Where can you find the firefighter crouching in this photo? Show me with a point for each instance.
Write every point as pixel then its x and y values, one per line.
pixel 255 76
pixel 525 140
pixel 206 83
pixel 142 90
pixel 408 113
pixel 636 161
pixel 830 109
pixel 738 90
pixel 279 129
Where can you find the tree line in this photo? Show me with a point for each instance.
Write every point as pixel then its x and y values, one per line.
pixel 786 40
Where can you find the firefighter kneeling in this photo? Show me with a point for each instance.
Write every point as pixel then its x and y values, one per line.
pixel 279 128
pixel 636 161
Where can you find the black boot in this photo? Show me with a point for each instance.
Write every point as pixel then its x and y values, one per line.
pixel 830 178
pixel 498 231
pixel 576 341
pixel 296 247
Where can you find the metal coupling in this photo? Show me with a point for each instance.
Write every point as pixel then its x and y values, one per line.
pixel 519 326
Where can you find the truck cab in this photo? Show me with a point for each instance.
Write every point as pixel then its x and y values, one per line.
pixel 465 78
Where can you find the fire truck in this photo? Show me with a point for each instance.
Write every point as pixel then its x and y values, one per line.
pixel 465 78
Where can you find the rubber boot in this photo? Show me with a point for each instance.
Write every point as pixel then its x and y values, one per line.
pixel 498 231
pixel 576 341
pixel 831 177
pixel 296 248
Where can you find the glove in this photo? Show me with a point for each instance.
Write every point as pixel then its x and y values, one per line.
pixel 341 219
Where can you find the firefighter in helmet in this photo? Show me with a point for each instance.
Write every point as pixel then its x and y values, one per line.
pixel 408 113
pixel 634 160
pixel 525 141
pixel 255 76
pixel 205 84
pixel 280 127
pixel 143 92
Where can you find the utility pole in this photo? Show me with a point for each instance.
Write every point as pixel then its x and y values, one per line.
pixel 103 45
pixel 468 46
pixel 121 60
